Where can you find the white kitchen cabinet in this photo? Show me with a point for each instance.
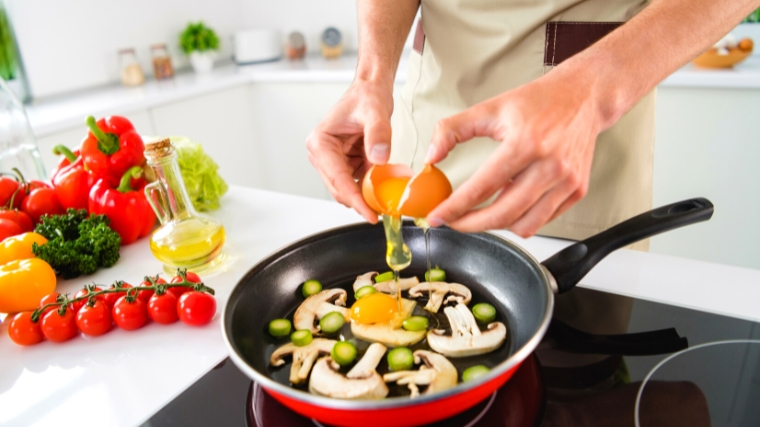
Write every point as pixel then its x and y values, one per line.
pixel 707 144
pixel 221 121
pixel 72 137
pixel 283 114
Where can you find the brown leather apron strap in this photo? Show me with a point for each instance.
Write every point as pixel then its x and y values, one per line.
pixel 565 39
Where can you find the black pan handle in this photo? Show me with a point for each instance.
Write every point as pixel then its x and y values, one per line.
pixel 571 264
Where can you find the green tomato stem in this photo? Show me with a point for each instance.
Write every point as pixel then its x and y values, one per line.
pixel 131 294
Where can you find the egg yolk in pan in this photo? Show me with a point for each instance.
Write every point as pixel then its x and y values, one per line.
pixel 374 308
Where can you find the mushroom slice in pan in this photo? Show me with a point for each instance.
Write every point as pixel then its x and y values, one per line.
pixel 318 306
pixel 386 333
pixel 437 373
pixel 455 292
pixel 361 382
pixel 303 357
pixel 365 280
pixel 388 287
pixel 466 339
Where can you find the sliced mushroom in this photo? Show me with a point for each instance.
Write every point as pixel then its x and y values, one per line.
pixel 318 306
pixel 361 382
pixel 386 333
pixel 365 280
pixel 455 292
pixel 388 287
pixel 437 373
pixel 303 357
pixel 466 338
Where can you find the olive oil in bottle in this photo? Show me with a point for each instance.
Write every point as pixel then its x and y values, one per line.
pixel 186 238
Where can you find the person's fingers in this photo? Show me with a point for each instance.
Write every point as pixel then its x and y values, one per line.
pixel 377 139
pixel 472 122
pixel 569 202
pixel 329 160
pixel 505 163
pixel 546 209
pixel 514 200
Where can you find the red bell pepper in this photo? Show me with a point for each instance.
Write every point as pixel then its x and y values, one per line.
pixel 72 182
pixel 65 161
pixel 112 146
pixel 129 212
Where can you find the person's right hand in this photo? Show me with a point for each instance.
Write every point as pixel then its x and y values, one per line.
pixel 355 134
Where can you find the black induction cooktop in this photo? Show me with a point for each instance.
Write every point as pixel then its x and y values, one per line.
pixel 706 385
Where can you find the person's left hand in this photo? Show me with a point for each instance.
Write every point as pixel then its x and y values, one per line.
pixel 547 130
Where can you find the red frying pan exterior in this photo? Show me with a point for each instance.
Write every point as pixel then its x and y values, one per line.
pixel 407 416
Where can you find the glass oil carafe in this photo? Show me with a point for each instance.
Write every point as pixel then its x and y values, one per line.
pixel 186 238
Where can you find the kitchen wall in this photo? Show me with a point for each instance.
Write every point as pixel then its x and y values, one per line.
pixel 309 17
pixel 71 45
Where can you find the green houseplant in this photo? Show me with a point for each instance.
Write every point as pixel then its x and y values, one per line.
pixel 201 43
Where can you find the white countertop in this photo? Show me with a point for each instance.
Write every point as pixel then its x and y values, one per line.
pixel 123 377
pixel 59 113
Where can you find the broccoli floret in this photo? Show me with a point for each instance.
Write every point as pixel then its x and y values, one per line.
pixel 77 244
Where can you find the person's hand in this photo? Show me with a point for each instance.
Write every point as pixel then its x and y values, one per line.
pixel 547 130
pixel 354 135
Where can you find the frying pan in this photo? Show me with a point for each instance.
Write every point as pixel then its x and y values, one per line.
pixel 495 269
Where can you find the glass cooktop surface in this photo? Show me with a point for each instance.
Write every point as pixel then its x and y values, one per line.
pixel 706 384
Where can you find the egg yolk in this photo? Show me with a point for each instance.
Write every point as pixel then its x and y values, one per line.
pixel 374 308
pixel 389 193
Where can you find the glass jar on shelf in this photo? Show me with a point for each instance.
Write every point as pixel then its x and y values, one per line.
pixel 162 62
pixel 131 72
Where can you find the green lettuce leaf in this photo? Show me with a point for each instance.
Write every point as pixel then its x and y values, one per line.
pixel 200 173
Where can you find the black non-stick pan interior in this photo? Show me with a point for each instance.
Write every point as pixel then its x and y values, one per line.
pixel 495 271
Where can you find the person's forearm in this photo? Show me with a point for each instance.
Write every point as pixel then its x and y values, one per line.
pixel 383 28
pixel 633 59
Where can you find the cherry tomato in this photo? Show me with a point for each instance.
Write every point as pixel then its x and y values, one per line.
pixel 144 296
pixel 19 217
pixel 94 320
pixel 129 315
pixel 41 201
pixel 179 290
pixel 110 299
pixel 76 306
pixel 196 308
pixel 8 187
pixel 48 299
pixel 59 328
pixel 163 308
pixel 23 331
pixel 9 228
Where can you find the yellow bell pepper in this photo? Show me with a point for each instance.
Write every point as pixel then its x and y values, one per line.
pixel 24 279
pixel 23 283
pixel 19 247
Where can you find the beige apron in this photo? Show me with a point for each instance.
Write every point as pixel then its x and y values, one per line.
pixel 472 50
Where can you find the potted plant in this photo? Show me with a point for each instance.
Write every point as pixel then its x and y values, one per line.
pixel 201 44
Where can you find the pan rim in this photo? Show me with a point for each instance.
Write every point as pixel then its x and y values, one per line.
pixel 389 403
